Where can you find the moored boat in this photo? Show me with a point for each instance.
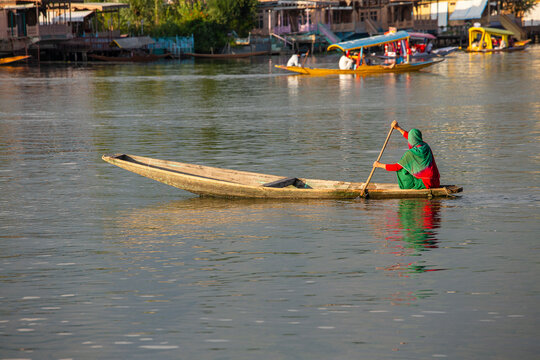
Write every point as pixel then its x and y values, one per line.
pixel 488 40
pixel 218 182
pixel 12 59
pixel 355 61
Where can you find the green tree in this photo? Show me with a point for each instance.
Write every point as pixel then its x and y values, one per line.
pixel 517 7
pixel 237 15
pixel 209 21
pixel 140 10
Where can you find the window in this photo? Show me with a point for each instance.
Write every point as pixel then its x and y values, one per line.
pixel 260 20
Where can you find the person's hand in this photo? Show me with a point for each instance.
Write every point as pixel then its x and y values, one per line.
pixel 377 164
pixel 394 124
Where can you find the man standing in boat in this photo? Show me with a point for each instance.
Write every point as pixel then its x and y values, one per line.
pixel 417 168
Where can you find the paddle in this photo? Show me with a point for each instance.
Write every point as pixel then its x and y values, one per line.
pixel 363 193
pixel 305 58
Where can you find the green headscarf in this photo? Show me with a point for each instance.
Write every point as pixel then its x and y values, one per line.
pixel 419 156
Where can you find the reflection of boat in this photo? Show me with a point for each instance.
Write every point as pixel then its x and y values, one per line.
pixel 211 181
pixel 11 59
pixel 401 64
pixel 484 39
pixel 228 56
pixel 130 58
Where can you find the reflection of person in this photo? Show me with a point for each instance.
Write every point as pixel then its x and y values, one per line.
pixel 418 219
pixel 417 168
pixel 413 231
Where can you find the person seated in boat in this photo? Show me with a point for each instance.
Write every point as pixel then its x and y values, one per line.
pixel 429 47
pixel 502 44
pixel 293 61
pixel 366 60
pixel 417 168
pixel 390 64
pixel 345 62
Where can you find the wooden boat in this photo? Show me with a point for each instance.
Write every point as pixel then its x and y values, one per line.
pixel 401 64
pixel 420 45
pixel 11 59
pixel 130 58
pixel 228 56
pixel 488 40
pixel 217 182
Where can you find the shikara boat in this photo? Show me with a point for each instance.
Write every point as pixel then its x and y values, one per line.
pixel 11 59
pixel 361 66
pixel 488 40
pixel 217 182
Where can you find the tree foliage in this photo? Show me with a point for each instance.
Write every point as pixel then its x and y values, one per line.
pixel 237 15
pixel 209 21
pixel 517 7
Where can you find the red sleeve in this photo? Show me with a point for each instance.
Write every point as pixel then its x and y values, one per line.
pixel 393 167
pixel 406 135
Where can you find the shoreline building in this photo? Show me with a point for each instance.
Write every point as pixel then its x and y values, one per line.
pixel 318 20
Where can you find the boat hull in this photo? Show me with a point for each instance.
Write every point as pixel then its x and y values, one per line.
pixel 12 59
pixel 508 49
pixel 362 70
pixel 217 182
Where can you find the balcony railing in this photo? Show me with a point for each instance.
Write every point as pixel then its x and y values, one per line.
pixel 307 27
pixel 54 30
pixel 342 27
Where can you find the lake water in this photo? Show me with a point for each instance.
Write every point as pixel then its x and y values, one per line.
pixel 100 263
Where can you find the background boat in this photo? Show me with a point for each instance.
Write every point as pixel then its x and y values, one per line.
pixel 365 63
pixel 11 59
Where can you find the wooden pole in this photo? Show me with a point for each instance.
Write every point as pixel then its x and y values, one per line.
pixel 363 193
pixel 305 58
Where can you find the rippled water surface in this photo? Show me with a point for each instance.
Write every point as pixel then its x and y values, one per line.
pixel 99 263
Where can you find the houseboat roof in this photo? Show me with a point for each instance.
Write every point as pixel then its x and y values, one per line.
pixel 72 16
pixel 468 9
pixel 17 6
pixel 104 6
pixel 370 41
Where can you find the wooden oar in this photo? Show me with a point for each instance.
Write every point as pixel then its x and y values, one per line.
pixel 305 58
pixel 363 193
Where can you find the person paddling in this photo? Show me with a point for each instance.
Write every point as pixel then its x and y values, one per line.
pixel 417 168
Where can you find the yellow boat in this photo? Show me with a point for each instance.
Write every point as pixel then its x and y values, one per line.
pixel 484 40
pixel 362 67
pixel 217 182
pixel 8 60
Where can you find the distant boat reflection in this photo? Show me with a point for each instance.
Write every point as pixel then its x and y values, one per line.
pixel 413 230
